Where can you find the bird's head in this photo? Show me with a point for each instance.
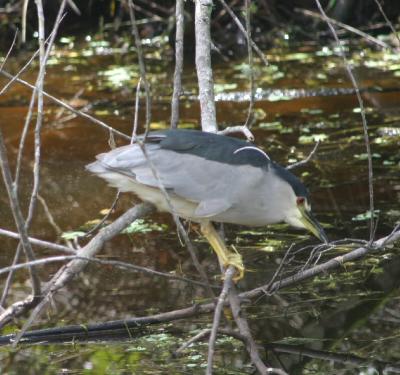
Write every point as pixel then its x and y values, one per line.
pixel 297 204
pixel 301 216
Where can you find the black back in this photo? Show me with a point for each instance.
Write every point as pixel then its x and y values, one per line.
pixel 222 149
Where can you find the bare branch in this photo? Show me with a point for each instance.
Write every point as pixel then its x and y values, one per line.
pixel 69 107
pixel 352 29
pixel 244 330
pixel 249 119
pixel 179 35
pixel 203 10
pixel 229 273
pixel 50 217
pixel 114 263
pixel 43 55
pixel 24 13
pixel 9 51
pixel 136 116
pixel 388 23
pixel 363 117
pixel 238 129
pixel 37 90
pixel 39 243
pixel 142 67
pixel 202 334
pixel 7 284
pixel 329 265
pixel 103 220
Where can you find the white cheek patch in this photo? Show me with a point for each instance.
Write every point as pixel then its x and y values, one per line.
pixel 294 219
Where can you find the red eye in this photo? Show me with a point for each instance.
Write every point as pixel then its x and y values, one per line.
pixel 300 200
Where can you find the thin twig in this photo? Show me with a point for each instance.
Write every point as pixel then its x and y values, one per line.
pixel 279 269
pixel 363 117
pixel 69 107
pixel 49 216
pixel 9 50
pixel 114 263
pixel 74 7
pixel 329 265
pixel 7 284
pixel 28 117
pixel 352 29
pixel 44 54
pixel 249 119
pixel 142 67
pixel 39 243
pixel 156 6
pixel 104 219
pixel 243 30
pixel 306 160
pixel 179 35
pixel 24 67
pixel 18 217
pixel 388 23
pixel 202 334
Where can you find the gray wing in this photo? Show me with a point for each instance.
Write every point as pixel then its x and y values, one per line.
pixel 215 186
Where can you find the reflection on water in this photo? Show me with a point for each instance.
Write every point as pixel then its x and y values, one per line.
pixel 344 311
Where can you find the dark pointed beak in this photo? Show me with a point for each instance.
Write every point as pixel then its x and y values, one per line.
pixel 312 224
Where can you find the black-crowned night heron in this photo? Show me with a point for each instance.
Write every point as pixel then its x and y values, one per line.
pixel 210 177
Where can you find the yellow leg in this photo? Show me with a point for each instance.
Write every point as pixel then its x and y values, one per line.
pixel 226 257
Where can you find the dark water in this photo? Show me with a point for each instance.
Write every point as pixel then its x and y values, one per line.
pixel 354 310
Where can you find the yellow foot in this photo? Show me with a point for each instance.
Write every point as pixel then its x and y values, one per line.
pixel 235 260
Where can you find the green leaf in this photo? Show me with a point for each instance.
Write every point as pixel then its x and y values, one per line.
pixel 72 235
pixel 141 226
pixel 365 216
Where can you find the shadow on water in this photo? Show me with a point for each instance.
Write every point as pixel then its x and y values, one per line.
pixel 345 311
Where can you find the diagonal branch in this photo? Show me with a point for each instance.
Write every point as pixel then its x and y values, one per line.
pixel 243 30
pixel 68 107
pixel 66 273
